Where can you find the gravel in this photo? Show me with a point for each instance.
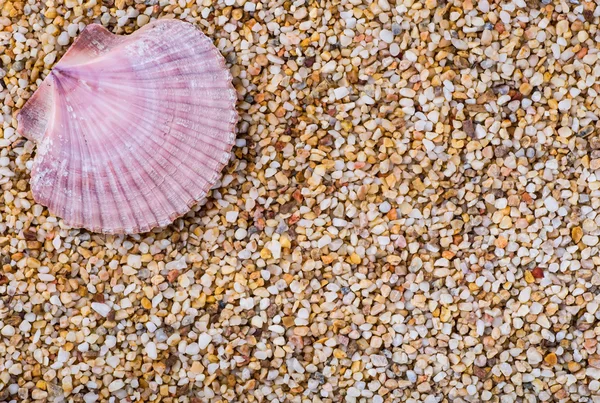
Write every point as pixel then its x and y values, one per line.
pixel 409 214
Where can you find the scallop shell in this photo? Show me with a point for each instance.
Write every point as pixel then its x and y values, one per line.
pixel 131 131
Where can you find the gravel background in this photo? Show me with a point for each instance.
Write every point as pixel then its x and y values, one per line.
pixel 409 214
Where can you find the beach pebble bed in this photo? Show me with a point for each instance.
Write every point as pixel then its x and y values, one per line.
pixel 409 214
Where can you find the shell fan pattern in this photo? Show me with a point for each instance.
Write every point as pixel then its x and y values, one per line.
pixel 131 131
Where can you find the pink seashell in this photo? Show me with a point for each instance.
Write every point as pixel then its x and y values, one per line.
pixel 132 131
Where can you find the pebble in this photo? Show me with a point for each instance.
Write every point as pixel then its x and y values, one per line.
pixel 525 294
pixel 8 331
pixel 590 240
pixel 204 340
pixel 341 92
pixel 102 309
pixel 134 261
pixel 151 350
pixel 385 207
pixel 551 204
pixel 386 35
pixel 192 349
pixel 90 397
pixel 116 385
pixel 63 39
pixel 142 20
pixel 533 356
pixel 231 216
pixel 379 360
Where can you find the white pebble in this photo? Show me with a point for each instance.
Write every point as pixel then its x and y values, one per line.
pixel 46 277
pixel 551 204
pixel 534 356
pixel 90 397
pixel 204 340
pixel 247 303
pixel 341 92
pixel 63 39
pixel 8 331
pixel 116 385
pixel 134 261
pixel 590 240
pixel 151 350
pixel 101 308
pixel 231 216
pixel 386 36
pixel 192 349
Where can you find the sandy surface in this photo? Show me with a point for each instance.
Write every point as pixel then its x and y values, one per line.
pixel 408 215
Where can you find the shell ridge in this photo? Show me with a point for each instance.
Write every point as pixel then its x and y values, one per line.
pixel 89 48
pixel 224 94
pixel 163 161
pixel 142 66
pixel 98 178
pixel 186 123
pixel 216 103
pixel 64 182
pixel 116 189
pixel 143 166
pixel 74 220
pixel 169 136
pixel 210 154
pixel 114 43
pixel 93 44
pixel 116 185
pixel 218 131
pixel 85 185
pixel 218 114
pixel 34 118
pixel 40 176
pixel 185 68
pixel 176 83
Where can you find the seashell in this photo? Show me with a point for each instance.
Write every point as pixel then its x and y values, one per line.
pixel 131 131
